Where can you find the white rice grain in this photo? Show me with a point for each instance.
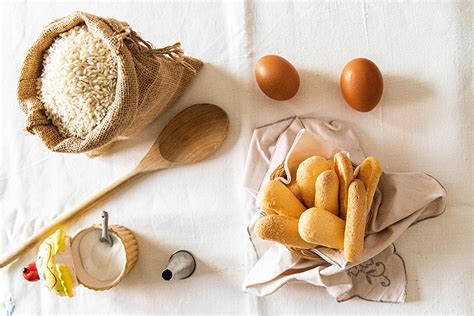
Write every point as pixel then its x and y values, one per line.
pixel 78 82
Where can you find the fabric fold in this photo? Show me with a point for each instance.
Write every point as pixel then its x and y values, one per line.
pixel 401 200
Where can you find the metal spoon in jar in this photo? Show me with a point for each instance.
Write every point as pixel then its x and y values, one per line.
pixel 105 236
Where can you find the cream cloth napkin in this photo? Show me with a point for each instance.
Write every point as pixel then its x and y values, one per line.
pixel 401 200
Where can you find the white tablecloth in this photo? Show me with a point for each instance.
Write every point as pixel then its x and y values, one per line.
pixel 422 124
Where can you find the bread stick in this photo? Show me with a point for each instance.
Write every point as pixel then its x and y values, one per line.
pixel 327 192
pixel 356 220
pixel 281 229
pixel 267 211
pixel 345 173
pixel 293 186
pixel 369 173
pixel 278 198
pixel 318 226
pixel 306 175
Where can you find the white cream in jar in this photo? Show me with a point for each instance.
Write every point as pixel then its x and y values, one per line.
pixel 97 264
pixel 100 260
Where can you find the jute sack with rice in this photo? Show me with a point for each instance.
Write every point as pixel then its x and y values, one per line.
pixel 90 81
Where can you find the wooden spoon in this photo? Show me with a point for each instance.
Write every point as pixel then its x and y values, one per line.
pixel 191 136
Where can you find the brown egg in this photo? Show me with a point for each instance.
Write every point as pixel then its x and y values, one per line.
pixel 277 78
pixel 361 84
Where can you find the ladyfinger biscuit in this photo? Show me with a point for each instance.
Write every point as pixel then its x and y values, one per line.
pixel 306 175
pixel 345 173
pixel 293 186
pixel 267 211
pixel 281 229
pixel 327 192
pixel 318 226
pixel 278 198
pixel 369 173
pixel 356 220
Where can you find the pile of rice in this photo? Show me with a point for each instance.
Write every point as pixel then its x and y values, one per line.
pixel 78 82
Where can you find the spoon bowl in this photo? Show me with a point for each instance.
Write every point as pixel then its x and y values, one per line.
pixel 191 136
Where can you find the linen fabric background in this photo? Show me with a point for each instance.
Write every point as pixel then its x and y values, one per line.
pixel 423 123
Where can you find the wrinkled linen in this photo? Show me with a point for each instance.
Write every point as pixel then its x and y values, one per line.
pixel 401 200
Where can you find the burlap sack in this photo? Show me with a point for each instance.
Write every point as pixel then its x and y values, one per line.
pixel 149 81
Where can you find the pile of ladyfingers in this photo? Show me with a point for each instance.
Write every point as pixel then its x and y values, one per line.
pixel 327 204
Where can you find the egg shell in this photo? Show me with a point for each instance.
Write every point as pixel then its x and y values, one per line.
pixel 277 77
pixel 361 84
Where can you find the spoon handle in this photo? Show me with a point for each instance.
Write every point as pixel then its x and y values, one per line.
pixel 87 205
